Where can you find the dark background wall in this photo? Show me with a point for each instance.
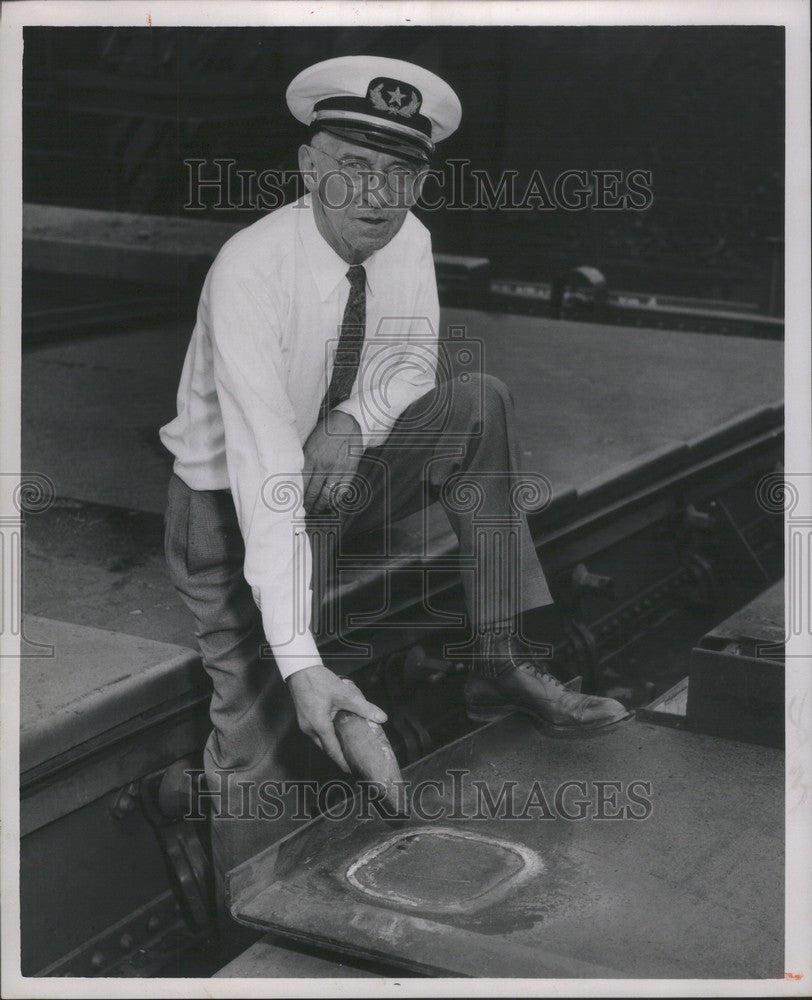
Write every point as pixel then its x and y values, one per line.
pixel 110 115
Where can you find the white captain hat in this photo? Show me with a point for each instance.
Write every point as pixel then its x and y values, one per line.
pixel 383 104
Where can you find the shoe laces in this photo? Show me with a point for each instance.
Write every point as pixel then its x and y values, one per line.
pixel 542 672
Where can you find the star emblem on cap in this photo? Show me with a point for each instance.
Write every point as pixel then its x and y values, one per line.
pixel 394 105
pixel 396 97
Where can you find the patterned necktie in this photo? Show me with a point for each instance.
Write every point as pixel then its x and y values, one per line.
pixel 350 341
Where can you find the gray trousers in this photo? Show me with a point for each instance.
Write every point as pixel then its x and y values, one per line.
pixel 456 444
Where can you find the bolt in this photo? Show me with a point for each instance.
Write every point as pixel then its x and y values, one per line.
pixel 126 942
pixel 123 804
pixel 97 960
pixel 153 923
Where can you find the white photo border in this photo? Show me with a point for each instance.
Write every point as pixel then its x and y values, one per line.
pixel 794 16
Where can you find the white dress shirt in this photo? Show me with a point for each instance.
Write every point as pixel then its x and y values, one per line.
pixel 256 370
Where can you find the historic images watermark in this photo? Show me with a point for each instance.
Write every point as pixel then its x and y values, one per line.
pixel 31 493
pixel 452 797
pixel 790 494
pixel 221 185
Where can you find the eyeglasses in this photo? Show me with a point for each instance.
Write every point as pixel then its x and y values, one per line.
pixel 399 177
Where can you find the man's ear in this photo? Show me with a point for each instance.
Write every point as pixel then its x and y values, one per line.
pixel 307 166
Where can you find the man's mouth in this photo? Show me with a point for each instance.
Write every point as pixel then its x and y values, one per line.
pixel 372 221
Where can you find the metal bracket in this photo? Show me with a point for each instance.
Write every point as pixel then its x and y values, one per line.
pixel 187 861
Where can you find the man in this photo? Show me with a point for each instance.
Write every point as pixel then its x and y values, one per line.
pixel 312 371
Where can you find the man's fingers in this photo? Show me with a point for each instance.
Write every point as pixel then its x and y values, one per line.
pixel 327 741
pixel 340 485
pixel 330 745
pixel 324 500
pixel 307 480
pixel 313 489
pixel 312 486
pixel 354 701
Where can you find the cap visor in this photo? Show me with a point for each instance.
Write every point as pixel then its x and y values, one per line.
pixel 393 145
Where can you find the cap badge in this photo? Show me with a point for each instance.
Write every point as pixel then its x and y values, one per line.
pixel 388 95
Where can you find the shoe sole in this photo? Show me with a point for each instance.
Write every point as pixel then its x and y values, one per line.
pixel 482 713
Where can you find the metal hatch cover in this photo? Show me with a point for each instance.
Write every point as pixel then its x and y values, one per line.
pixel 441 870
pixel 693 890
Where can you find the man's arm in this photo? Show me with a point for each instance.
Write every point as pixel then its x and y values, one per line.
pixel 265 459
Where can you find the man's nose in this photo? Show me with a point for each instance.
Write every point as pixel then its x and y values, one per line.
pixel 375 191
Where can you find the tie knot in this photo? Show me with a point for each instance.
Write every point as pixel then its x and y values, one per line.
pixel 357 276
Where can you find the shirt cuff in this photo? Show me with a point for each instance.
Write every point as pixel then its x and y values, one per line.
pixel 295 654
pixel 370 436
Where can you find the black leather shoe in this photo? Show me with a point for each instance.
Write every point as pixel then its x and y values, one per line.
pixel 506 679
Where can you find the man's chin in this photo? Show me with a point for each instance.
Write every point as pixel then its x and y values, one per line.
pixel 371 237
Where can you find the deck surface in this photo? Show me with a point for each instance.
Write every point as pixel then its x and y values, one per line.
pixel 693 890
pixel 588 398
pixel 84 681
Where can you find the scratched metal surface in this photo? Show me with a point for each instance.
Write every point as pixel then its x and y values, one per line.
pixel 695 890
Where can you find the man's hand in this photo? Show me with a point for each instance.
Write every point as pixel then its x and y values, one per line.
pixel 317 695
pixel 331 456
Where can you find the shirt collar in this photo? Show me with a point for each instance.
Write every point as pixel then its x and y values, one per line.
pixel 327 268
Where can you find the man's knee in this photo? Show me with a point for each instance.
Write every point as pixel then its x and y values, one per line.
pixel 481 394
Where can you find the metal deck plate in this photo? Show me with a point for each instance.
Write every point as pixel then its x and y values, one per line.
pixel 441 870
pixel 694 890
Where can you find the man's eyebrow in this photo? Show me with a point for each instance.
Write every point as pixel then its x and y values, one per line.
pixel 354 156
pixel 363 159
